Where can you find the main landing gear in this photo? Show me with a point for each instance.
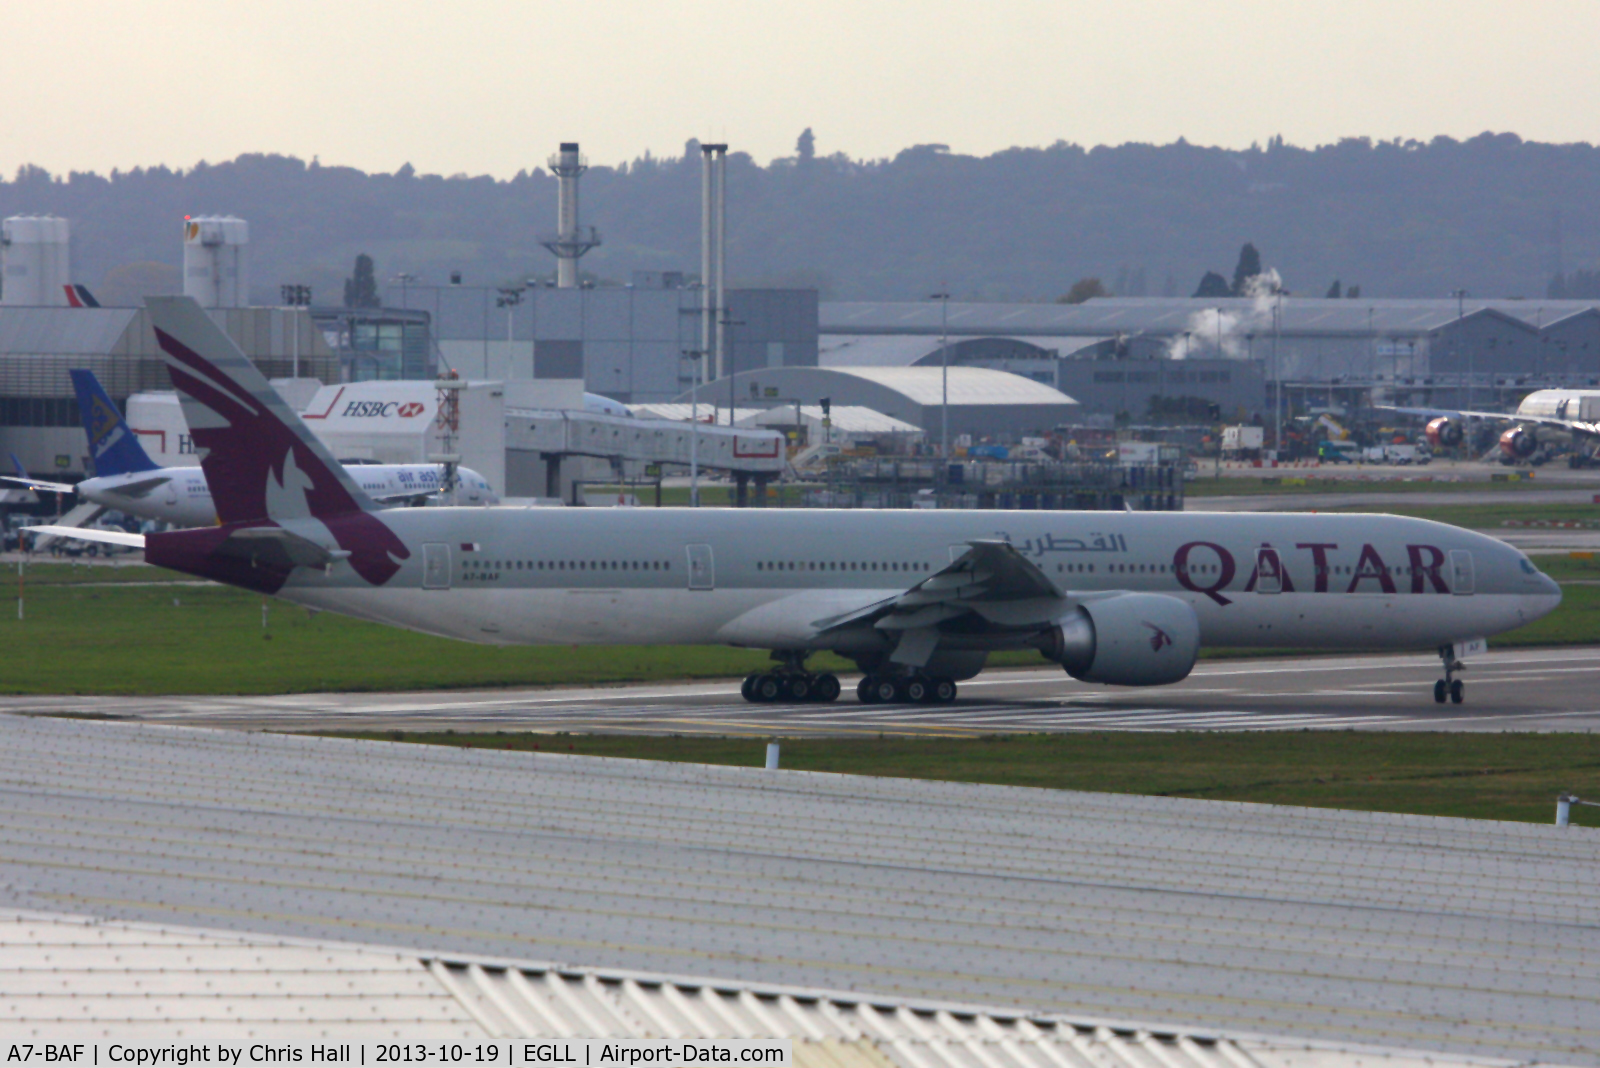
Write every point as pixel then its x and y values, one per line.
pixel 918 689
pixel 1449 687
pixel 792 682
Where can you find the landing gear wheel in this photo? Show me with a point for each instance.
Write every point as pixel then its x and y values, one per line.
pixel 865 690
pixel 769 688
pixel 1449 684
pixel 886 691
pixel 747 689
pixel 797 688
pixel 919 691
pixel 944 691
pixel 825 688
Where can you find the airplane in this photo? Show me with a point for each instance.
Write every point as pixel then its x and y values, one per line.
pixel 918 599
pixel 128 480
pixel 1564 411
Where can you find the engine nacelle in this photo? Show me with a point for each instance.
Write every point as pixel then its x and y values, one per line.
pixel 1132 639
pixel 1445 432
pixel 1519 442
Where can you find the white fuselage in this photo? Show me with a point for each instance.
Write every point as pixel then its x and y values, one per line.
pixel 181 497
pixel 775 578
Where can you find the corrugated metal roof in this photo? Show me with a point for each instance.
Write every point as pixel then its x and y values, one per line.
pixel 131 981
pixel 968 385
pixel 62 331
pixel 1475 937
pixel 1173 315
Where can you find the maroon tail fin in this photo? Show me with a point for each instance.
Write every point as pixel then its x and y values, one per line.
pixel 262 464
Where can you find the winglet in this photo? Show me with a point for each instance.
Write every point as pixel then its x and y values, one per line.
pixel 113 447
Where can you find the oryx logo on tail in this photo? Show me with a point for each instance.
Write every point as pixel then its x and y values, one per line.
pixel 263 466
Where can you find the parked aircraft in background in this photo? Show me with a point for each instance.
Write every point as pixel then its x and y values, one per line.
pixel 1558 412
pixel 126 479
pixel 918 599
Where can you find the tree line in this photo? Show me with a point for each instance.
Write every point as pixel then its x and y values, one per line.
pixel 1494 214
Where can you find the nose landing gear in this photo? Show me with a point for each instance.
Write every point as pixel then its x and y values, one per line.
pixel 1449 687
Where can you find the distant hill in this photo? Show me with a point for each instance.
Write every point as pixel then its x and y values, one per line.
pixel 1495 214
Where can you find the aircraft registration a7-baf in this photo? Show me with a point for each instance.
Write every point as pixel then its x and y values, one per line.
pixel 917 599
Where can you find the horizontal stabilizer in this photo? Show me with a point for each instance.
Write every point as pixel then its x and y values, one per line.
pixel 106 537
pixel 39 484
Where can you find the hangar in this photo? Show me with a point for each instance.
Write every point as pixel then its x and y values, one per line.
pixel 1457 349
pixel 983 402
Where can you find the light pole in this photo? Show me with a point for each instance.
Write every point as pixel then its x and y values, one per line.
pixel 944 375
pixel 1461 313
pixel 508 299
pixel 694 429
pixel 296 296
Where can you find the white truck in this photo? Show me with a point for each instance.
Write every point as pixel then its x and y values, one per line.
pixel 1243 442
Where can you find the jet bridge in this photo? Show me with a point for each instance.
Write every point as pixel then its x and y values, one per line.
pixel 553 435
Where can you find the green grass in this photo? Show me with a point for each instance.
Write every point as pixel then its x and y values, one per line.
pixel 1481 516
pixel 1288 484
pixel 125 639
pixel 1481 776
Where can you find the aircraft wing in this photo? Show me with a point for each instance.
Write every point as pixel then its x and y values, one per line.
pixel 990 587
pixel 1572 426
pixel 410 497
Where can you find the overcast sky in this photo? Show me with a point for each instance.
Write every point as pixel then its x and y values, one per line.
pixel 490 86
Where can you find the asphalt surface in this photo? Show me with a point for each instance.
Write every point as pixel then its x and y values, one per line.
pixel 1512 690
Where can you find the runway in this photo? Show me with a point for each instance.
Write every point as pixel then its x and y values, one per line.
pixel 1515 690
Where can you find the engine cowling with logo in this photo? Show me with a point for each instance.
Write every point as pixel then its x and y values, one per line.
pixel 1445 432
pixel 1519 443
pixel 1132 639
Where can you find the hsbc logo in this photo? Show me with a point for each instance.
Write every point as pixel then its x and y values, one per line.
pixel 382 409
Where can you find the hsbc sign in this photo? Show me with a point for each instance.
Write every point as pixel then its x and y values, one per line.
pixel 382 409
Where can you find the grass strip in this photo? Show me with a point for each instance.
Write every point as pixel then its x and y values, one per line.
pixel 1479 776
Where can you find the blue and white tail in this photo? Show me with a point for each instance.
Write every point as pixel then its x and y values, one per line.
pixel 112 445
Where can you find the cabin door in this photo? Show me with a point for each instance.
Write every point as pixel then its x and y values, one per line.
pixel 1461 582
pixel 1269 571
pixel 435 566
pixel 702 569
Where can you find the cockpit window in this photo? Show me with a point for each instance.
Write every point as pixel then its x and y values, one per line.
pixel 1527 566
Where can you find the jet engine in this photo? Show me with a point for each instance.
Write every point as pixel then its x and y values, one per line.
pixel 1132 639
pixel 1445 432
pixel 1519 443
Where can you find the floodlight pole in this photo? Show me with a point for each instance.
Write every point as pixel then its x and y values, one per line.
pixel 944 375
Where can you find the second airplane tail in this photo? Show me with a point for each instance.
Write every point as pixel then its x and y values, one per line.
pixel 112 445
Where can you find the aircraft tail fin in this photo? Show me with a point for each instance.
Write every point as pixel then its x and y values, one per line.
pixel 78 296
pixel 260 460
pixel 113 447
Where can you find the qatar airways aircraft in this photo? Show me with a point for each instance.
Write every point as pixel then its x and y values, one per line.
pixel 917 599
pixel 128 480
